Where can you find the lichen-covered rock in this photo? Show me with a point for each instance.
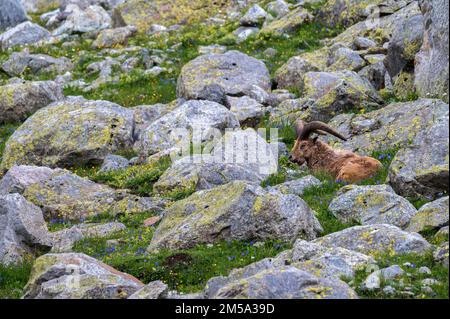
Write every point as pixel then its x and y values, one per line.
pixel 264 281
pixel 298 186
pixel 337 92
pixel 92 19
pixel 233 72
pixel 373 281
pixel 113 37
pixel 74 131
pixel 431 67
pixel 289 23
pixel 367 205
pixel 36 6
pixel 377 240
pixel 20 62
pixel 144 14
pixel 154 290
pixel 441 253
pixel 248 111
pixel 243 33
pixel 255 16
pixel 11 14
pixel 203 172
pixel 23 34
pixel 421 169
pixel 66 196
pixel 20 100
pixel 290 75
pixel 63 240
pixel 394 126
pixel 345 59
pixel 202 116
pixel 235 211
pixel 114 163
pixel 375 73
pixel 324 261
pixel 77 276
pixel 404 44
pixel 23 231
pixel 433 215
pixel 278 8
pixel 249 148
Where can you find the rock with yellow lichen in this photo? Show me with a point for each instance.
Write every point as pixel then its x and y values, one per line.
pixel 289 23
pixel 143 13
pixel 374 204
pixel 324 261
pixel 235 211
pixel 377 240
pixel 421 169
pixel 65 196
pixel 71 132
pixel 214 76
pixel 394 126
pixel 264 280
pixel 170 131
pixel 114 37
pixel 77 276
pixel 20 100
pixel 433 215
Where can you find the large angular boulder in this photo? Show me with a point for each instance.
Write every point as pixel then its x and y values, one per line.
pixel 167 132
pixel 393 126
pixel 213 76
pixel 432 66
pixel 377 240
pixel 255 16
pixel 235 211
pixel 71 132
pixel 432 215
pixel 249 148
pixel 421 169
pixel 92 19
pixel 368 205
pixel 23 231
pixel 154 290
pixel 26 33
pixel 77 276
pixel 336 92
pixel 20 100
pixel 203 172
pixel 263 280
pixel 324 261
pixel 11 14
pixel 63 240
pixel 113 37
pixel 21 62
pixel 289 23
pixel 405 43
pixel 66 196
pixel 291 74
pixel 345 59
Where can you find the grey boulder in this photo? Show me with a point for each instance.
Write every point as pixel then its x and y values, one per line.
pixel 11 14
pixel 26 33
pixel 235 211
pixel 77 276
pixel 20 100
pixel 23 231
pixel 377 204
pixel 433 215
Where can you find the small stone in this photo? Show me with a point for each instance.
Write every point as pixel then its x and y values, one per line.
pixel 389 290
pixel 424 271
pixel 430 282
pixel 151 221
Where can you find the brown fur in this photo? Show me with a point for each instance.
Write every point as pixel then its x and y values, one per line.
pixel 342 165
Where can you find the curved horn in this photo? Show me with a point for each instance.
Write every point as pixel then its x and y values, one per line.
pixel 319 126
pixel 299 127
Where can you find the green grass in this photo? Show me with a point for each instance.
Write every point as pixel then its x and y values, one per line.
pixel 183 270
pixel 13 279
pixel 413 280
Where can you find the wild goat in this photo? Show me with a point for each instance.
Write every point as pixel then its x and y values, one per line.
pixel 320 157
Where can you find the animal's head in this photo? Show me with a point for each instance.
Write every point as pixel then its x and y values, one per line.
pixel 305 146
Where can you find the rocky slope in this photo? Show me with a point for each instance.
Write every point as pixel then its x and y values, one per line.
pixel 96 202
